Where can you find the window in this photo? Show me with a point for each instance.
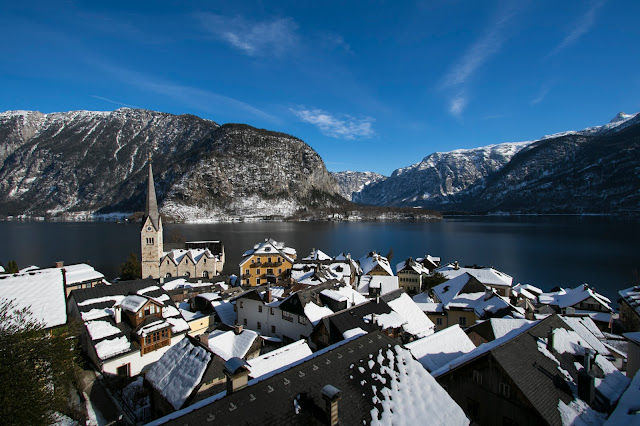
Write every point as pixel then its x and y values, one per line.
pixel 152 309
pixel 187 274
pixel 123 370
pixel 150 241
pixel 246 271
pixel 140 314
pixel 279 271
pixel 244 321
pixel 477 377
pixel 302 320
pixel 505 389
pixel 271 311
pixel 205 274
pixel 259 325
pixel 257 281
pixel 273 328
pixel 287 316
pixel 258 271
pixel 258 260
pixel 438 321
pixel 462 321
pixel 241 304
pixel 246 281
pixel 259 308
pixel 168 275
pixel 268 260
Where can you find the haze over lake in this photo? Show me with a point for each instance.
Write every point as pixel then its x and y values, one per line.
pixel 543 251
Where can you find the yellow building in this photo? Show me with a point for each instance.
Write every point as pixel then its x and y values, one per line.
pixel 267 263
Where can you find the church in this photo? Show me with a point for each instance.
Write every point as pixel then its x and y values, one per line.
pixel 198 259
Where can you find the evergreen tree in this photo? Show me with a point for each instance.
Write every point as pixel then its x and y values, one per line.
pixel 432 280
pixel 12 267
pixel 37 367
pixel 131 269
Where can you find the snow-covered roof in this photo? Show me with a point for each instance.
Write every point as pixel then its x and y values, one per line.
pixel 417 323
pixel 133 303
pixel 462 292
pixel 41 291
pixel 178 255
pixel 225 311
pixel 412 265
pixel 270 247
pixel 177 373
pixel 426 303
pixel 228 344
pixel 317 255
pixel 633 336
pixel 279 358
pixel 503 326
pixel 345 293
pixel 386 284
pixel 81 273
pixel 487 276
pixel 440 348
pixel 631 296
pixel 532 290
pixel 373 259
pixel 395 392
pixel 315 313
pixel 570 297
pixel 627 412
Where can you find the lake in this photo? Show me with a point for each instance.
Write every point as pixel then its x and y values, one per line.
pixel 545 251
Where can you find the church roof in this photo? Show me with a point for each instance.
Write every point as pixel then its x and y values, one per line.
pixel 151 208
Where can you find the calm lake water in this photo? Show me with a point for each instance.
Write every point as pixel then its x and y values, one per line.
pixel 543 251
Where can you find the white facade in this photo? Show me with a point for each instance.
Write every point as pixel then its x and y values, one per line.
pixel 270 321
pixel 137 362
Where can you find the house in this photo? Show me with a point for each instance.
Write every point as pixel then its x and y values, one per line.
pixel 364 380
pixel 375 264
pixel 372 286
pixel 235 343
pixel 267 263
pixel 545 373
pixel 490 277
pixel 127 326
pixel 394 314
pixel 429 262
pixel 524 294
pixel 42 291
pixel 630 308
pixel 438 349
pixel 633 353
pixel 410 275
pixel 199 258
pixel 464 300
pixel 186 373
pixel 319 267
pixel 581 300
pixel 290 319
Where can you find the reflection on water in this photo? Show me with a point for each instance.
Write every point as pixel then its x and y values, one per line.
pixel 543 251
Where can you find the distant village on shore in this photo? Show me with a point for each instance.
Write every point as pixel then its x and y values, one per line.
pixel 333 339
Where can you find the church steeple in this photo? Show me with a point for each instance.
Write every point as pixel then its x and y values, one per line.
pixel 151 208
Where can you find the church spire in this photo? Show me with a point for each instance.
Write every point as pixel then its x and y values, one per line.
pixel 151 208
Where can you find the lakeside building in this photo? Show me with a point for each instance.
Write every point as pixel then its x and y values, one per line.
pixel 266 263
pixel 202 259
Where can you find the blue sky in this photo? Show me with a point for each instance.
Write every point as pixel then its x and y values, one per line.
pixel 369 85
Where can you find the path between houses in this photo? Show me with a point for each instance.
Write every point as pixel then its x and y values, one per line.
pixel 101 410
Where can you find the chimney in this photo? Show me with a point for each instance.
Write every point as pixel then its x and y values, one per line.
pixel 237 329
pixel 117 314
pixel 586 386
pixel 237 372
pixel 60 264
pixel 268 298
pixel 550 341
pixel 64 276
pixel 456 265
pixel 204 339
pixel 332 396
pixel 161 279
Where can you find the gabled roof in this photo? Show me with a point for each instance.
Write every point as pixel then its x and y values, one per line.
pixel 411 265
pixel 372 373
pixel 194 255
pixel 487 276
pixel 373 259
pixel 278 359
pixel 41 291
pixel 631 296
pixel 385 283
pixel 495 328
pixel 228 344
pixel 548 378
pixel 570 297
pixel 317 254
pixel 440 348
pixel 270 247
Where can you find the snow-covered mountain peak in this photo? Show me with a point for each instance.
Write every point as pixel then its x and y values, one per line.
pixel 621 116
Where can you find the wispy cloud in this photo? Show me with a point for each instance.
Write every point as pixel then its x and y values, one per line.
pixel 193 97
pixel 264 38
pixel 540 97
pixel 582 25
pixel 113 102
pixel 487 45
pixel 337 126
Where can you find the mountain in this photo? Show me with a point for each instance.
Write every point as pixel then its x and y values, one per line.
pixel 84 161
pixel 352 183
pixel 595 170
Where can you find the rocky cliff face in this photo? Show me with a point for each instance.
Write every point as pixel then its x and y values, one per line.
pixel 595 170
pixel 352 183
pixel 83 161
